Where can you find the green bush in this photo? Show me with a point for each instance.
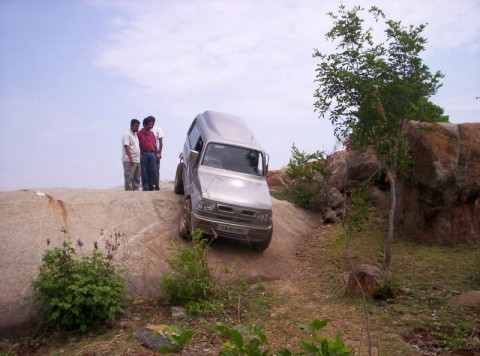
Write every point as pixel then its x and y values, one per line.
pixel 309 188
pixel 78 294
pixel 190 280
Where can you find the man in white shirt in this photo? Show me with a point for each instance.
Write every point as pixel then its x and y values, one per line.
pixel 157 131
pixel 131 156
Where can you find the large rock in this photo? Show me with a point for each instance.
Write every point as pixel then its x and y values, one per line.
pixel 144 225
pixel 439 201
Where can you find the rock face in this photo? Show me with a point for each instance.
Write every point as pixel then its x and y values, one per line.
pixel 145 224
pixel 439 201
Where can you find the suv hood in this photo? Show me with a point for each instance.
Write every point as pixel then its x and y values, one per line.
pixel 231 189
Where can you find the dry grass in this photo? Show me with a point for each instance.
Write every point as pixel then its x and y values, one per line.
pixel 427 276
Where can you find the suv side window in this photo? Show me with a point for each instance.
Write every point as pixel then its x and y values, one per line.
pixel 194 137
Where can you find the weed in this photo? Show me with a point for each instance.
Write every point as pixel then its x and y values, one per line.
pixel 190 280
pixel 238 345
pixel 314 344
pixel 459 337
pixel 387 291
pixel 78 294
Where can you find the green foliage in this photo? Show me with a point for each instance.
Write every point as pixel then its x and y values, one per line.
pixel 387 291
pixel 371 89
pixel 238 345
pixel 309 176
pixel 78 294
pixel 459 337
pixel 175 335
pixel 315 344
pixel 357 213
pixel 190 280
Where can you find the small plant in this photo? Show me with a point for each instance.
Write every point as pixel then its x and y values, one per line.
pixel 78 294
pixel 459 337
pixel 315 344
pixel 238 345
pixel 387 291
pixel 309 188
pixel 190 280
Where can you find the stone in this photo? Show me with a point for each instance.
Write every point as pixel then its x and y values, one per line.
pixel 337 201
pixel 153 338
pixel 329 216
pixel 370 278
pixel 378 198
pixel 464 299
pixel 179 313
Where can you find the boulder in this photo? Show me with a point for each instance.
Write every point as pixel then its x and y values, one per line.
pixel 362 166
pixel 277 180
pixel 439 200
pixel 337 166
pixel 370 278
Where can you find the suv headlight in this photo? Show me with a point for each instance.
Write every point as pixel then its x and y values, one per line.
pixel 207 206
pixel 263 216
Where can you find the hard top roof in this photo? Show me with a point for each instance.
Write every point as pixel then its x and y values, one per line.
pixel 226 128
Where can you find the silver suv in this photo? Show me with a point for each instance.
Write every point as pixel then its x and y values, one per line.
pixel 222 173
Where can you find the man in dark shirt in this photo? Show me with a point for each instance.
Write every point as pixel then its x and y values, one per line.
pixel 148 158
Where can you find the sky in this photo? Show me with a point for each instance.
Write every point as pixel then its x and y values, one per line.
pixel 73 73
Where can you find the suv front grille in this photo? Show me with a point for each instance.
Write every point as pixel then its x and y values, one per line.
pixel 232 213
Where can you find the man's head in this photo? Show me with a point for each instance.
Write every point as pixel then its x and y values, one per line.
pixel 152 119
pixel 148 123
pixel 134 125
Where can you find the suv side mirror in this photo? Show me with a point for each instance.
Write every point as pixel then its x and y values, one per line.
pixel 192 157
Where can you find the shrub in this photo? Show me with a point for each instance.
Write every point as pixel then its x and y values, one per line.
pixel 190 280
pixel 78 294
pixel 309 188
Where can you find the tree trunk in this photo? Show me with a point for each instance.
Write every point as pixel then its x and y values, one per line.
pixel 391 217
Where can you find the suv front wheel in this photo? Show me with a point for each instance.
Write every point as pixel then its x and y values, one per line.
pixel 178 184
pixel 185 227
pixel 262 246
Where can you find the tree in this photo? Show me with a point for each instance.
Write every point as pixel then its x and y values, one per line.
pixel 371 90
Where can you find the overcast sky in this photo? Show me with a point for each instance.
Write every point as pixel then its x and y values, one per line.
pixel 74 73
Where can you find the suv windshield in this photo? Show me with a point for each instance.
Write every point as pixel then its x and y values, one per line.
pixel 233 158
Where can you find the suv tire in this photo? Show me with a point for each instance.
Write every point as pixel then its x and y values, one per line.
pixel 185 226
pixel 262 246
pixel 178 184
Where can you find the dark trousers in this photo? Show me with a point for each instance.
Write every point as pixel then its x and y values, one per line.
pixel 148 163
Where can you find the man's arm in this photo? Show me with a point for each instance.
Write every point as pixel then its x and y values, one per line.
pixel 129 154
pixel 160 147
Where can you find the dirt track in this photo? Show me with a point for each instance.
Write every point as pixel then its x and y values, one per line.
pixel 142 223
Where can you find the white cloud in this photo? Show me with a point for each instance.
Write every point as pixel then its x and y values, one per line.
pixel 241 47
